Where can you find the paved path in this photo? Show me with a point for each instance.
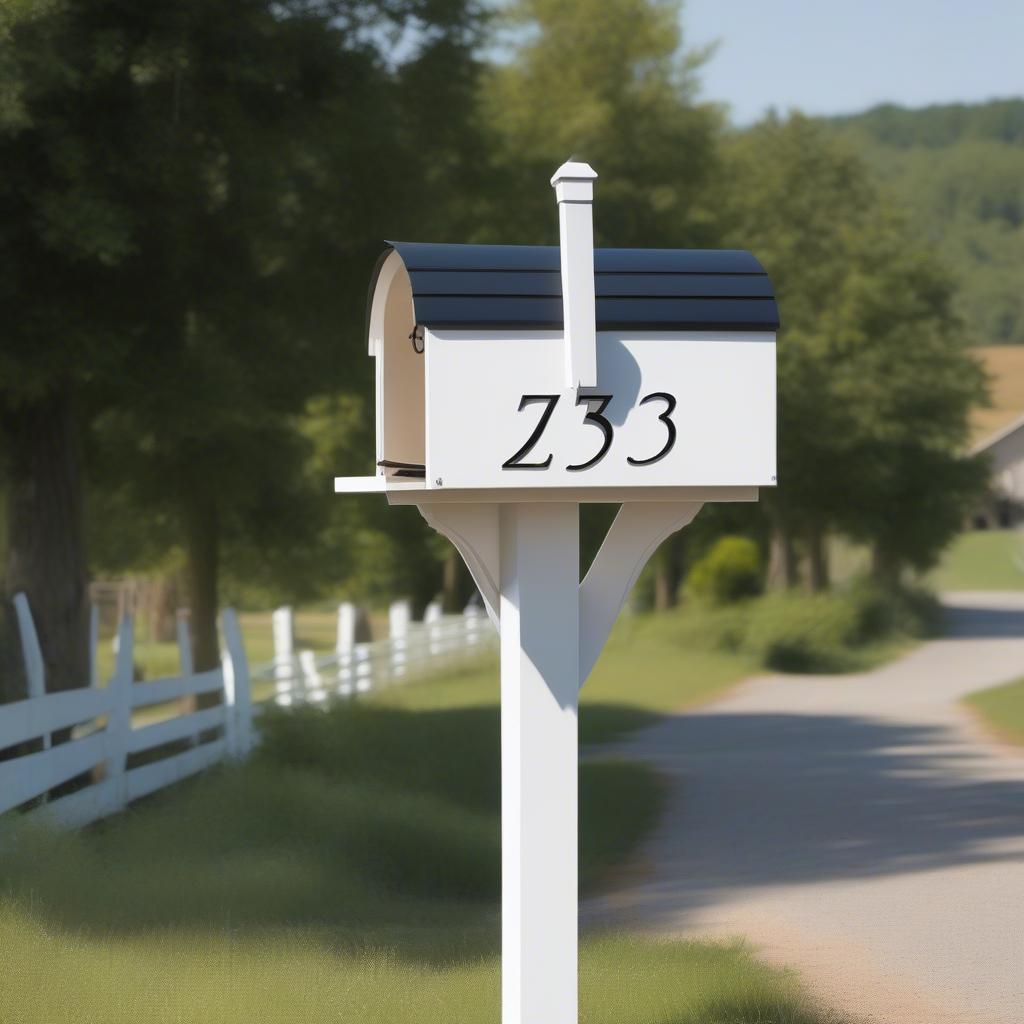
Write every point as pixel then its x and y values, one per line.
pixel 863 829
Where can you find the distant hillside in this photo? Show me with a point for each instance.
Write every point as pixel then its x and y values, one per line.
pixel 958 171
pixel 939 126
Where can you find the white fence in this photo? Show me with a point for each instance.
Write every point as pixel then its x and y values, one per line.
pixel 106 728
pixel 411 649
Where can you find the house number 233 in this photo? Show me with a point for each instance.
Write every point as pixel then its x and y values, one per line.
pixel 596 405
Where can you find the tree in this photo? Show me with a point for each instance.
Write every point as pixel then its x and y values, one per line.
pixel 613 83
pixel 874 378
pixel 192 198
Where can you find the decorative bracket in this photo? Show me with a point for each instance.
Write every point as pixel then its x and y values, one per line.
pixel 473 528
pixel 633 537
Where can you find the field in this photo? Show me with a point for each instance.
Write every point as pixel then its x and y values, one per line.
pixel 982 560
pixel 350 872
pixel 1005 366
pixel 1002 709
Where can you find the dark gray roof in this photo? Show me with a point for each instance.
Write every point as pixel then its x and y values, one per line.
pixel 497 287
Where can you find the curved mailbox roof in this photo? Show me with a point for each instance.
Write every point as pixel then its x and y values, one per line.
pixel 497 287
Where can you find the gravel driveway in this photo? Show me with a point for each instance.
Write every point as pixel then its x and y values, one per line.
pixel 862 829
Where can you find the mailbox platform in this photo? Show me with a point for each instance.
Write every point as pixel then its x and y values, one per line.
pixel 515 383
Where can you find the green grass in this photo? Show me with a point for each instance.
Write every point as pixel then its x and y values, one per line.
pixel 1002 709
pixel 350 871
pixel 302 976
pixel 982 560
pixel 648 669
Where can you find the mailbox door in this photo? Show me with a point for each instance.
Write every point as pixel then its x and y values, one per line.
pixel 690 409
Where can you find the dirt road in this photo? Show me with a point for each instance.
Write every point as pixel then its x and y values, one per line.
pixel 862 829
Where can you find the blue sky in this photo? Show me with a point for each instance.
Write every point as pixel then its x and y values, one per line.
pixel 837 56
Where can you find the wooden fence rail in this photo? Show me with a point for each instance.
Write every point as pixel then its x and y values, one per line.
pixel 103 731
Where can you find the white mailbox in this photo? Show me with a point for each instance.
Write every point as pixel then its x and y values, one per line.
pixel 472 389
pixel 513 383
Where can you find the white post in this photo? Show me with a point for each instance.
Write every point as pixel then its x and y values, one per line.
pixel 346 643
pixel 311 681
pixel 432 616
pixel 399 616
pixel 284 653
pixel 119 722
pixel 94 643
pixel 184 643
pixel 471 616
pixel 31 653
pixel 236 683
pixel 574 191
pixel 539 687
pixel 187 704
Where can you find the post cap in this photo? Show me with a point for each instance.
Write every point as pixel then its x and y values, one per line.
pixel 573 170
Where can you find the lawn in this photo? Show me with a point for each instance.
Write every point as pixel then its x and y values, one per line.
pixel 314 630
pixel 982 560
pixel 648 669
pixel 350 871
pixel 1002 709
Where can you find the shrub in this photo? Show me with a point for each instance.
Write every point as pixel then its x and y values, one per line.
pixel 729 572
pixel 803 633
pixel 799 632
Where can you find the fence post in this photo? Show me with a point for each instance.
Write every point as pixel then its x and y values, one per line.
pixel 344 647
pixel 399 615
pixel 311 681
pixel 284 653
pixel 432 616
pixel 471 617
pixel 94 643
pixel 119 722
pixel 188 703
pixel 32 655
pixel 237 690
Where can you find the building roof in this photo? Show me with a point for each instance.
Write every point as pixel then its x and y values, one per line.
pixel 505 287
pixel 1004 366
pixel 988 443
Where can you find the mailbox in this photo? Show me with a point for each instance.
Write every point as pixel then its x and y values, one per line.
pixel 514 383
pixel 470 391
pixel 471 369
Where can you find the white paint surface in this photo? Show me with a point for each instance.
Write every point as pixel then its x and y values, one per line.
pixel 574 192
pixel 723 384
pixel 539 673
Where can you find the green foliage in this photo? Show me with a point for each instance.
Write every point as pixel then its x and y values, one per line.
pixel 840 631
pixel 958 172
pixel 611 82
pixel 875 382
pixel 730 571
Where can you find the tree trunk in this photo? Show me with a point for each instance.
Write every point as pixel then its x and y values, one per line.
pixel 163 599
pixel 46 555
pixel 885 568
pixel 783 569
pixel 453 583
pixel 666 575
pixel 817 552
pixel 202 553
